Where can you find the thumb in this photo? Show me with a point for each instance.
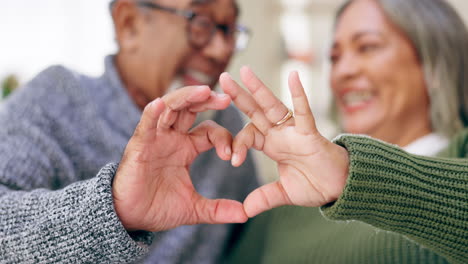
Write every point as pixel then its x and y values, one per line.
pixel 219 211
pixel 265 198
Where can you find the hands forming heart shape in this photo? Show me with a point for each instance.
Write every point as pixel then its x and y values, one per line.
pixel 153 190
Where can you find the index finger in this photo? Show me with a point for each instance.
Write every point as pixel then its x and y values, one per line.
pixel 273 108
pixel 245 102
pixel 195 96
pixel 190 99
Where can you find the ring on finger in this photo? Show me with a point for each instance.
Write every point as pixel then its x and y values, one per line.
pixel 286 117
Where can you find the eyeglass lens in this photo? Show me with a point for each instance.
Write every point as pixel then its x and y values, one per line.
pixel 202 29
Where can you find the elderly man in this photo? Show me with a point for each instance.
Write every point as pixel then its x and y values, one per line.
pixel 60 202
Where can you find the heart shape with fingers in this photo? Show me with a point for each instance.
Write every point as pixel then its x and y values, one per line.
pixel 308 174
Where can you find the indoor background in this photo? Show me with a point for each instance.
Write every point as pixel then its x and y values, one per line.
pixel 287 35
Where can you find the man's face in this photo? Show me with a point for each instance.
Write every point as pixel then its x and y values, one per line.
pixel 163 55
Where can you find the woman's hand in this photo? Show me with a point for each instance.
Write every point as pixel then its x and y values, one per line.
pixel 152 188
pixel 312 170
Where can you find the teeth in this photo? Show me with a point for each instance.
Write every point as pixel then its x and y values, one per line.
pixel 176 84
pixel 356 97
pixel 201 77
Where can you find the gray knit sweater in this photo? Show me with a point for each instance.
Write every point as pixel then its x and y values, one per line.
pixel 57 135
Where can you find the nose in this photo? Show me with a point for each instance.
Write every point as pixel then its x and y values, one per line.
pixel 346 68
pixel 218 49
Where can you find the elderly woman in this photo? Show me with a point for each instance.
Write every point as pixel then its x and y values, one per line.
pixel 397 75
pixel 398 72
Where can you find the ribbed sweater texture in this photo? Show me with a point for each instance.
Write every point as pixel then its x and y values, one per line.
pixel 396 208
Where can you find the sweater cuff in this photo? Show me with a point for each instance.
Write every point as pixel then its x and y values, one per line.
pixel 385 180
pixel 125 246
pixel 419 197
pixel 368 178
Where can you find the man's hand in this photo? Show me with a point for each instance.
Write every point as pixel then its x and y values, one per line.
pixel 312 170
pixel 152 188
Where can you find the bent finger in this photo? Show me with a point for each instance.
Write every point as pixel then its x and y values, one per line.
pixel 216 101
pixel 247 138
pixel 146 128
pixel 186 96
pixel 185 120
pixel 209 134
pixel 245 102
pixel 195 100
pixel 168 118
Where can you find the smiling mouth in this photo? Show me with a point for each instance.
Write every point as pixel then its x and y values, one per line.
pixel 356 100
pixel 194 77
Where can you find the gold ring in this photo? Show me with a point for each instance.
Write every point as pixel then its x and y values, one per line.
pixel 285 118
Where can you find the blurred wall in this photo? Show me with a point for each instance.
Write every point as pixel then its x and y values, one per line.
pixel 36 34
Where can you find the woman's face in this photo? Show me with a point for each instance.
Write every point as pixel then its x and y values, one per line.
pixel 376 77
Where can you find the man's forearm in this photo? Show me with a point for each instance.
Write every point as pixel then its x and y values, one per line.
pixel 76 224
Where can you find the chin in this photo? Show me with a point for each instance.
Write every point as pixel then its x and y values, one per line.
pixel 356 127
pixel 175 84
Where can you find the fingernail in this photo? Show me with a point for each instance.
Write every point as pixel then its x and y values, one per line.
pixel 235 159
pixel 247 68
pixel 228 151
pixel 152 103
pixel 202 87
pixel 223 96
pixel 227 75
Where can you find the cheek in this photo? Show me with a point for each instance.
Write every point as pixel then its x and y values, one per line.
pixel 409 88
pixel 176 56
pixel 334 86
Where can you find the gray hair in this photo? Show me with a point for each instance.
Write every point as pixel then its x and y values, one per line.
pixel 440 39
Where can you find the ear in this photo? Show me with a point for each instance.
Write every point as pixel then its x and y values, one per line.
pixel 127 22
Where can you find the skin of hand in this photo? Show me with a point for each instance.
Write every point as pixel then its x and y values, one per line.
pixel 312 170
pixel 152 188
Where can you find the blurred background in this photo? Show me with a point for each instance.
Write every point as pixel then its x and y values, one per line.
pixel 287 35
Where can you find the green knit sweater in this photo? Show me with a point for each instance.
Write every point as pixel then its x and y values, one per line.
pixel 409 209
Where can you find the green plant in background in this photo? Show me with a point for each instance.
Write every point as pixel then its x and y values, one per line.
pixel 9 84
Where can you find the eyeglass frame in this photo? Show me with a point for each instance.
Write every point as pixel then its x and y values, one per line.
pixel 190 16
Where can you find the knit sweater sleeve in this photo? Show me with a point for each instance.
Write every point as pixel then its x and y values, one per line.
pixel 49 213
pixel 422 198
pixel 77 224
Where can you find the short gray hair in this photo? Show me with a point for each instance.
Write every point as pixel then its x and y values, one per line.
pixel 440 39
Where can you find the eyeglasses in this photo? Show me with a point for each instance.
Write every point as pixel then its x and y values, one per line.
pixel 201 29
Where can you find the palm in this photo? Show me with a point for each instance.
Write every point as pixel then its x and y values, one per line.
pixel 152 188
pixel 294 158
pixel 176 149
pixel 171 154
pixel 305 158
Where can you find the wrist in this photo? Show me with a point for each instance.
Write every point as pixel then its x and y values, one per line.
pixel 339 173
